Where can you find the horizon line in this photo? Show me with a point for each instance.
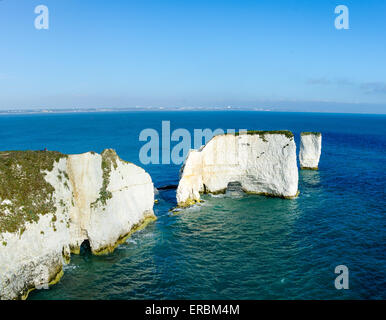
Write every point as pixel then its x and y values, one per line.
pixel 163 109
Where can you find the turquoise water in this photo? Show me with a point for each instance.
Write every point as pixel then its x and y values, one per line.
pixel 246 248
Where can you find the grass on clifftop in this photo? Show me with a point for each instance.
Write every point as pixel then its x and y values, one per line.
pixel 23 185
pixel 310 133
pixel 262 133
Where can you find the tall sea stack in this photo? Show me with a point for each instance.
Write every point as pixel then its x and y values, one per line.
pixel 310 150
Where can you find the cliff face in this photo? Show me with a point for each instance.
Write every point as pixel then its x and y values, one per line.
pixel 51 203
pixel 310 150
pixel 262 162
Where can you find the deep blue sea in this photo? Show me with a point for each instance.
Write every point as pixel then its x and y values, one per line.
pixel 251 247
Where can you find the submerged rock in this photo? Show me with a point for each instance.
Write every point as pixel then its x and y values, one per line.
pixel 310 150
pixel 51 203
pixel 262 162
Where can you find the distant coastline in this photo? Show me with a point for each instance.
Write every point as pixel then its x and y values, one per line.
pixel 140 109
pixel 162 109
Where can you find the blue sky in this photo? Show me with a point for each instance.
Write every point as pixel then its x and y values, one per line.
pixel 283 54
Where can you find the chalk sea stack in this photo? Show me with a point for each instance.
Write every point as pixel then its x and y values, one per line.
pixel 262 162
pixel 52 203
pixel 310 150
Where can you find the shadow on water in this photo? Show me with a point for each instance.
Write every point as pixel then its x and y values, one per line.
pixel 309 178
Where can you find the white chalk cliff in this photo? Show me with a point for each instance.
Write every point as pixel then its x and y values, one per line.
pixel 262 162
pixel 51 203
pixel 310 150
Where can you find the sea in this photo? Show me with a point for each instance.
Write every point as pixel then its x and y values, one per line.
pixel 246 247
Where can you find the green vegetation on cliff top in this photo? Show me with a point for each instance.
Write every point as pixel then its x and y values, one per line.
pixel 310 133
pixel 24 193
pixel 109 159
pixel 262 133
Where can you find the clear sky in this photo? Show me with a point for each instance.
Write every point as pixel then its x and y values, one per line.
pixel 123 53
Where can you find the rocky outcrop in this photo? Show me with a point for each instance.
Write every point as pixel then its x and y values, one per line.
pixel 51 203
pixel 263 162
pixel 310 150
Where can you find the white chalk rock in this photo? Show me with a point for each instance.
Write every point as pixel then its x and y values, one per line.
pixel 262 162
pixel 99 198
pixel 310 150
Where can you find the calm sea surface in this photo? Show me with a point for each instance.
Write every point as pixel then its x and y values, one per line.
pixel 247 248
